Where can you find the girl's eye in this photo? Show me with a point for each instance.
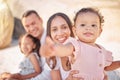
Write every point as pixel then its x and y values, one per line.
pixel 64 27
pixel 82 25
pixel 94 25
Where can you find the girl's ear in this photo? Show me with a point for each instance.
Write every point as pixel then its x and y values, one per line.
pixel 100 31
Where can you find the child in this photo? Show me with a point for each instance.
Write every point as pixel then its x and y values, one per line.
pixel 59 28
pixel 30 66
pixel 90 58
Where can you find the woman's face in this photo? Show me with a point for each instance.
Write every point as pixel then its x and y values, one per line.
pixel 60 30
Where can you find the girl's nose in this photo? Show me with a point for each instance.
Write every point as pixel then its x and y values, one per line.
pixel 88 27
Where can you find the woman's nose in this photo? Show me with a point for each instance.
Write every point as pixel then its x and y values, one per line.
pixel 60 32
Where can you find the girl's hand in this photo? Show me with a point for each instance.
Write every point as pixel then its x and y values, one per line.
pixel 71 77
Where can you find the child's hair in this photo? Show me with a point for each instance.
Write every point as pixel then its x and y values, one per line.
pixel 92 10
pixel 35 41
pixel 68 21
pixel 65 17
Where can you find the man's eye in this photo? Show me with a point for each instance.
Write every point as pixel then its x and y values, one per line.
pixel 33 23
pixel 26 26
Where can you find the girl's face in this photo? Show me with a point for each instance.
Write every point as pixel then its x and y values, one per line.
pixel 87 27
pixel 27 45
pixel 59 30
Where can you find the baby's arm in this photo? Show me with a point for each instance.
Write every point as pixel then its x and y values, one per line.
pixel 36 66
pixel 54 49
pixel 113 66
pixel 63 50
pixel 71 77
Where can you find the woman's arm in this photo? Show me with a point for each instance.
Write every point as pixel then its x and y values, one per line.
pixel 113 66
pixel 55 75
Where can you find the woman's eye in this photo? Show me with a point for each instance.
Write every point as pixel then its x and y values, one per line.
pixel 54 29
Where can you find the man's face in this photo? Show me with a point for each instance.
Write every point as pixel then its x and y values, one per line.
pixel 33 25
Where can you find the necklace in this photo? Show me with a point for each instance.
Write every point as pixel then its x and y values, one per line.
pixel 51 62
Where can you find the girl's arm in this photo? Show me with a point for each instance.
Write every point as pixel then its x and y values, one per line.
pixel 36 66
pixel 55 75
pixel 113 66
pixel 54 49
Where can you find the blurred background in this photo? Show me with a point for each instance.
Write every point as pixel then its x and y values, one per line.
pixel 11 27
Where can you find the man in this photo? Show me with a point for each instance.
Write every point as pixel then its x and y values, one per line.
pixel 33 24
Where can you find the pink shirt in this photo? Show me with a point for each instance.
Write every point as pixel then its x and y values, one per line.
pixel 89 60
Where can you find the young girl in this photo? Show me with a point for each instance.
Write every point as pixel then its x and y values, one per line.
pixel 59 28
pixel 90 58
pixel 30 66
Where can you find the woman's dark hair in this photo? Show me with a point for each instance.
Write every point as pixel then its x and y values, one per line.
pixel 35 41
pixel 65 17
pixel 92 10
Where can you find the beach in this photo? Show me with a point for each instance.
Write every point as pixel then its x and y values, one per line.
pixel 11 56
